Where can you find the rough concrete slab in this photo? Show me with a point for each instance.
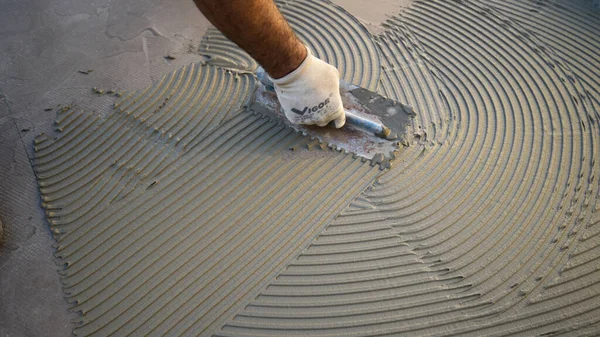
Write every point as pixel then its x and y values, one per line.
pixel 29 286
pixel 46 43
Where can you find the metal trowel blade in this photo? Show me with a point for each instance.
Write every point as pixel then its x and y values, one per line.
pixel 352 139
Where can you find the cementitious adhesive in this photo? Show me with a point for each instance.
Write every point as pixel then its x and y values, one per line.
pixel 181 214
pixel 165 231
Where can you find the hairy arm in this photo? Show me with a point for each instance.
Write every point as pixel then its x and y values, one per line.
pixel 258 27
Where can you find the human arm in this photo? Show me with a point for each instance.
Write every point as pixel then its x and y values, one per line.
pixel 258 27
pixel 301 80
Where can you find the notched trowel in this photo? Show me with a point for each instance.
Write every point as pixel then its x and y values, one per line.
pixel 374 127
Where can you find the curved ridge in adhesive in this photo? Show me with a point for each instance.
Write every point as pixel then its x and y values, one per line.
pixel 157 207
pixel 173 114
pixel 221 52
pixel 492 228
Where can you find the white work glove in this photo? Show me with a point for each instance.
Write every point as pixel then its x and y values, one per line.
pixel 311 93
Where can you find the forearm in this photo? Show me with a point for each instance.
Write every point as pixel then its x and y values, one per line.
pixel 258 27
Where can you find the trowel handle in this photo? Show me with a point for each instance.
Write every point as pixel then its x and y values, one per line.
pixel 366 124
pixel 263 77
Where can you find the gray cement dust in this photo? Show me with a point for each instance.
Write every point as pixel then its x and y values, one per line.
pixel 183 214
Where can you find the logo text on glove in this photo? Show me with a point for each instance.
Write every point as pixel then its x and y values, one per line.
pixel 313 109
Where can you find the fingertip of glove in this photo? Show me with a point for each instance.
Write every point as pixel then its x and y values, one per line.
pixel 340 122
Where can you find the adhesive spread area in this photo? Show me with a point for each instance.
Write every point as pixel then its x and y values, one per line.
pixel 184 214
pixel 170 215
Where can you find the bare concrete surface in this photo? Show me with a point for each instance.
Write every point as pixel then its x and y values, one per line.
pixel 44 44
pixel 373 13
pixel 29 287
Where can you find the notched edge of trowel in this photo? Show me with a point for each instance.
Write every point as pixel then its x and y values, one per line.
pixel 370 101
pixel 264 112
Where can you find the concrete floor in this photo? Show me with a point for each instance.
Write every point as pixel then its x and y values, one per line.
pixel 44 44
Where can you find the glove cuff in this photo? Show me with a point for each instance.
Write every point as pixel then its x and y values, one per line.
pixel 291 77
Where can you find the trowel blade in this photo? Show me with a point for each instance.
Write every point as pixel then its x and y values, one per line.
pixel 359 101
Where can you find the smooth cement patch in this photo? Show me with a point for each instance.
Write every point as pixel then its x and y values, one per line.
pixel 181 213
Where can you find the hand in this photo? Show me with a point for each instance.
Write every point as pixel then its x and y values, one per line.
pixel 311 93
